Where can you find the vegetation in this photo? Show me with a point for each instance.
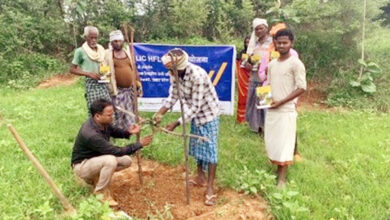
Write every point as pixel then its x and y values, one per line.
pixel 37 37
pixel 343 174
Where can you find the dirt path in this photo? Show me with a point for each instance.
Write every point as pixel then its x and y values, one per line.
pixel 164 189
pixel 66 79
pixel 314 97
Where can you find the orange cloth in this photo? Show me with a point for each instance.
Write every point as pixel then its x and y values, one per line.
pixel 277 27
pixel 243 82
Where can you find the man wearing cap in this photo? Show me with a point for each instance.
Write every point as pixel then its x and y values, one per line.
pixel 258 47
pixel 86 62
pixel 124 82
pixel 202 109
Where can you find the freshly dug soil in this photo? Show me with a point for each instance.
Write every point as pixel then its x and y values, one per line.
pixel 163 193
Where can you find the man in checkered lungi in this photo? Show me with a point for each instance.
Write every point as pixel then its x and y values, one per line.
pixel 201 108
pixel 86 61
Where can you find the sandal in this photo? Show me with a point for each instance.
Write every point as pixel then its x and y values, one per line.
pixel 193 182
pixel 211 200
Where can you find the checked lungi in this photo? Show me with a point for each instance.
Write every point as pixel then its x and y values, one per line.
pixel 205 152
pixel 95 91
pixel 124 100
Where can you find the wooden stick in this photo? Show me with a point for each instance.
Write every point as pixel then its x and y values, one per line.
pixel 363 36
pixel 65 203
pixel 185 138
pixel 125 111
pixel 135 97
pixel 181 135
pixel 162 128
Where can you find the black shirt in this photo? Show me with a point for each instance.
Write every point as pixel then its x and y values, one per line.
pixel 92 142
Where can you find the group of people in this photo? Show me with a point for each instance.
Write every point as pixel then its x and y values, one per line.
pixel 95 158
pixel 269 59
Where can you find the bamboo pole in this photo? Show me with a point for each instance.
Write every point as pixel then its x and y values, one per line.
pixel 185 138
pixel 363 36
pixel 65 203
pixel 124 111
pixel 185 135
pixel 135 97
pixel 162 128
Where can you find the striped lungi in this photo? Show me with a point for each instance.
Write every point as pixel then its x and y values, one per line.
pixel 124 100
pixel 95 91
pixel 205 152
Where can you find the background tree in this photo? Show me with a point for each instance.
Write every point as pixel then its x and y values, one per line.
pixel 37 37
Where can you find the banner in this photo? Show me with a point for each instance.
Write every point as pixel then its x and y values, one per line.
pixel 218 61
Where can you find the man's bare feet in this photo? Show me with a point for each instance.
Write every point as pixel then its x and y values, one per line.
pixel 282 176
pixel 281 184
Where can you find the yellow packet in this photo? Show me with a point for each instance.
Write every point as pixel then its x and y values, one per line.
pixel 244 56
pixel 104 71
pixel 262 90
pixel 275 55
pixel 255 58
pixel 265 97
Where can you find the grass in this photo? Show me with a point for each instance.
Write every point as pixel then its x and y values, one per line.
pixel 344 174
pixel 341 93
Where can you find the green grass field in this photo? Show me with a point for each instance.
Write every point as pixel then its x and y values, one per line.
pixel 344 175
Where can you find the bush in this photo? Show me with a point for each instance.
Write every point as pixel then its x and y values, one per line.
pixel 26 70
pixel 341 93
pixel 285 203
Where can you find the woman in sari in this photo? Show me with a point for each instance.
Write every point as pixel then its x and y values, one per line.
pixel 243 81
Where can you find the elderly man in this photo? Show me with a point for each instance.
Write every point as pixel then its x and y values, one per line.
pixel 125 83
pixel 258 47
pixel 86 62
pixel 202 109
pixel 94 157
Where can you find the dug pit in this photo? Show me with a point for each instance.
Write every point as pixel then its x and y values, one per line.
pixel 163 195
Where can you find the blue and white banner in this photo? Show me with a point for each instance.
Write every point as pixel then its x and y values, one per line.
pixel 218 61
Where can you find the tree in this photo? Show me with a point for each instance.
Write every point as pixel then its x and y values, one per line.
pixel 385 15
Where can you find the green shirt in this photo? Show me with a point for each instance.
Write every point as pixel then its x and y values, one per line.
pixel 82 60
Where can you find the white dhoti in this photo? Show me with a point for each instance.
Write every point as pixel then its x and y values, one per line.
pixel 279 135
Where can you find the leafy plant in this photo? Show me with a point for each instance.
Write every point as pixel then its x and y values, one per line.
pixel 284 203
pixel 44 210
pixel 279 14
pixel 92 208
pixel 253 183
pixel 161 215
pixel 365 82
